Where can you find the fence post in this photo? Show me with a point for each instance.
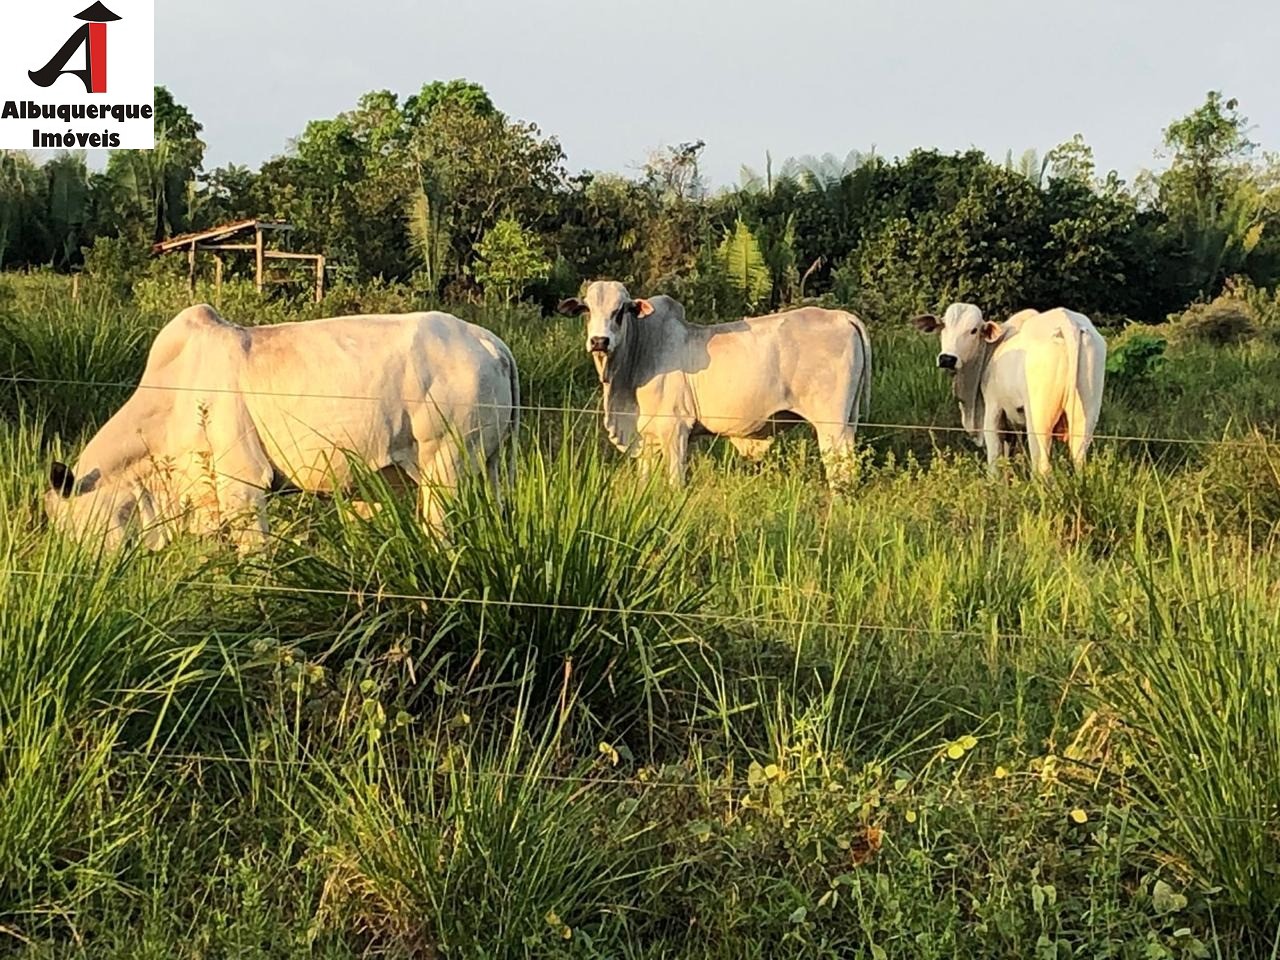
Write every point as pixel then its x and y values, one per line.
pixel 260 251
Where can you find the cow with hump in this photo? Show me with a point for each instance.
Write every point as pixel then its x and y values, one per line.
pixel 1037 375
pixel 666 380
pixel 225 413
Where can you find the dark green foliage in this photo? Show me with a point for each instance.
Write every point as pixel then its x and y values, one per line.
pixel 1135 358
pixel 404 190
pixel 960 228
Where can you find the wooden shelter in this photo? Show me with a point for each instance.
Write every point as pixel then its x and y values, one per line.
pixel 222 240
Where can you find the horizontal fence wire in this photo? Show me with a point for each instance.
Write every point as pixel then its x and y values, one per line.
pixel 589 609
pixel 375 595
pixel 592 411
pixel 703 616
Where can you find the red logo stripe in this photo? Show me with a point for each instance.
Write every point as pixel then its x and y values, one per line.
pixel 98 56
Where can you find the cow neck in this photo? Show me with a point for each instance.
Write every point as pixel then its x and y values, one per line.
pixel 967 388
pixel 118 447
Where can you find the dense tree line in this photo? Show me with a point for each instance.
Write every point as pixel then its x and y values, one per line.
pixel 443 191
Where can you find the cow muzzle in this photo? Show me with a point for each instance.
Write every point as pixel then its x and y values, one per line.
pixel 948 361
pixel 598 345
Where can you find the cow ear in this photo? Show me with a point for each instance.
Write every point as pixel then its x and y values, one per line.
pixel 573 307
pixel 926 323
pixel 991 331
pixel 643 307
pixel 61 479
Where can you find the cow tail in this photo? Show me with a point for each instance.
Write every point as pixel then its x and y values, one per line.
pixel 1077 419
pixel 864 379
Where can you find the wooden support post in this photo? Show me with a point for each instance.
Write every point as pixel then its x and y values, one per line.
pixel 217 280
pixel 319 278
pixel 191 270
pixel 259 249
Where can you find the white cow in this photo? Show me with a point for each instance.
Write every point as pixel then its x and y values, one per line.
pixel 1039 371
pixel 224 413
pixel 666 380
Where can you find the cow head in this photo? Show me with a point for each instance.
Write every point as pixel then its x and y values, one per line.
pixel 611 312
pixel 963 335
pixel 89 508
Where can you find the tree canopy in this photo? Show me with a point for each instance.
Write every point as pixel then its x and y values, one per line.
pixel 443 190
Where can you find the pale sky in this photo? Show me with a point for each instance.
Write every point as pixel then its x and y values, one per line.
pixel 614 80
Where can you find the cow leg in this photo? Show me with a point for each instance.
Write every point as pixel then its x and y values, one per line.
pixel 1079 437
pixel 365 510
pixel 839 455
pixel 651 452
pixel 991 441
pixel 438 468
pixel 245 508
pixel 644 463
pixel 753 449
pixel 1038 448
pixel 493 472
pixel 674 451
pixel 1041 419
pixel 1079 446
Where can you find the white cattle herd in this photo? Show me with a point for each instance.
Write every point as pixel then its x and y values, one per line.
pixel 225 414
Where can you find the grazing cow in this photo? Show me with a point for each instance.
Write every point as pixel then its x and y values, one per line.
pixel 224 413
pixel 666 380
pixel 1039 371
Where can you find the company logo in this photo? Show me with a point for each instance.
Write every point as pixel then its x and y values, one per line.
pixel 92 35
pixel 94 91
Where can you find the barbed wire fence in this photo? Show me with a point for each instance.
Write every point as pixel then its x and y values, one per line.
pixel 774 421
pixel 1076 640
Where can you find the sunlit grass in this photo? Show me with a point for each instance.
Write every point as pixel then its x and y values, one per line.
pixel 937 715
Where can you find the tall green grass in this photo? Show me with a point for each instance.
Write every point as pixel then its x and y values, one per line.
pixel 935 716
pixel 1197 690
pixel 71 363
pixel 556 585
pixel 483 848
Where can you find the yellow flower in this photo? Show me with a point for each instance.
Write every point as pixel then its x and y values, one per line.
pixel 1079 816
pixel 1001 773
pixel 911 816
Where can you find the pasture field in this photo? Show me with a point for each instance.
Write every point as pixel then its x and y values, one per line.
pixel 937 716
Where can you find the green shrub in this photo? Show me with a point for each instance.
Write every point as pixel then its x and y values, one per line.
pixel 1224 321
pixel 1136 358
pixel 113 264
